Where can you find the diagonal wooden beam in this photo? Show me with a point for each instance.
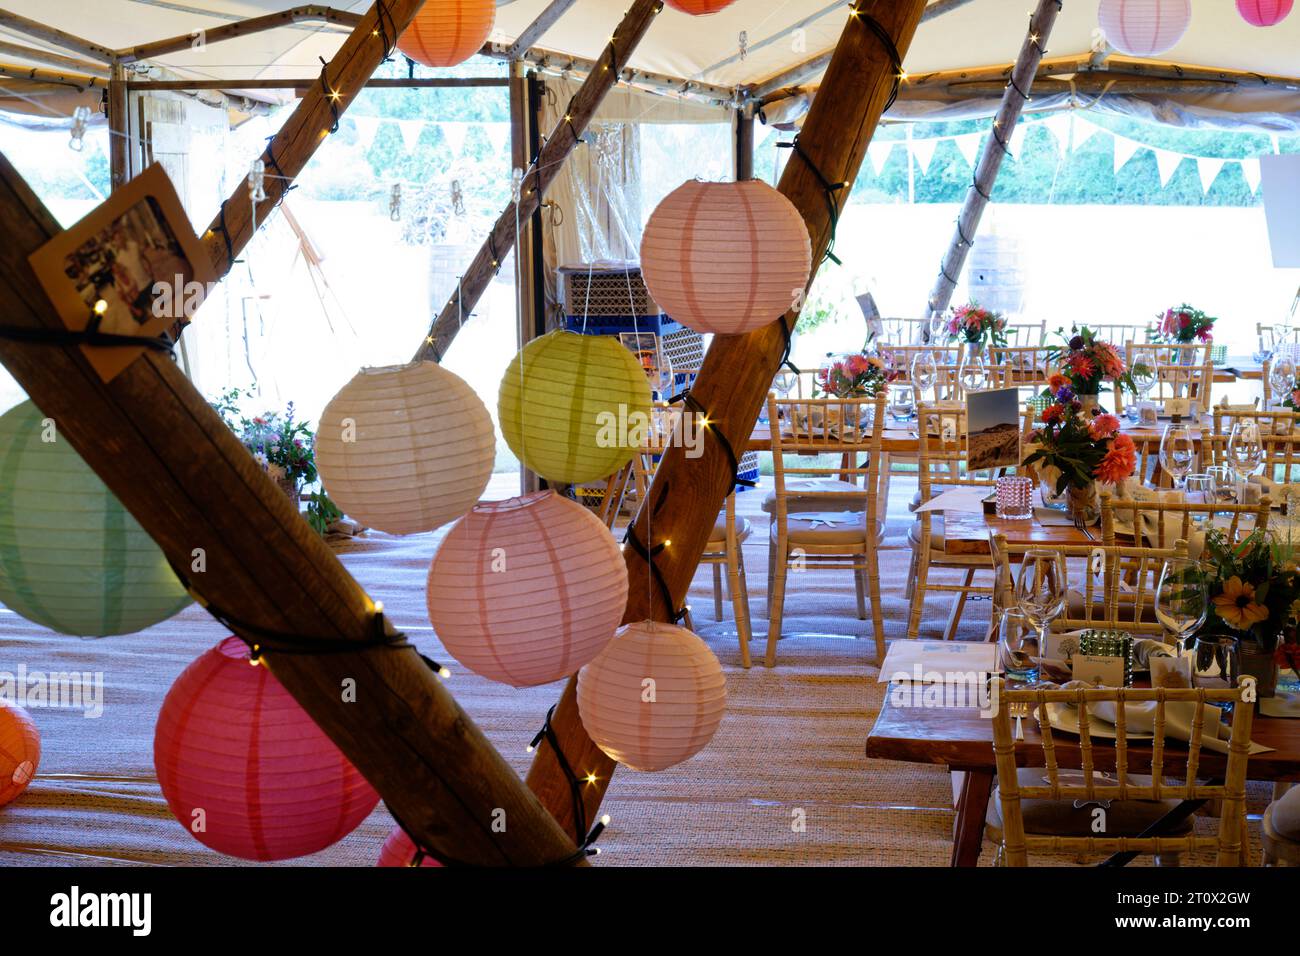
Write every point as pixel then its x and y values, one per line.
pixel 57 60
pixel 537 29
pixel 563 140
pixel 271 21
pixel 1017 91
pixel 688 493
pixel 183 474
pixel 39 31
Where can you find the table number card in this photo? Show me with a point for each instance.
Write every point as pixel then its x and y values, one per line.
pixel 1178 407
pixel 1098 670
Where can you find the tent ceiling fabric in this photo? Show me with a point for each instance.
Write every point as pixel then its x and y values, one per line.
pixel 981 33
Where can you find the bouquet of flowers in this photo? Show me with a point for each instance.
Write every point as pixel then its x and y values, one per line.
pixel 977 326
pixel 1254 590
pixel 856 376
pixel 1075 448
pixel 1185 324
pixel 1085 363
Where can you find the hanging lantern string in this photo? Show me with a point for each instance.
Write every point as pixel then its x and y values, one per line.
pixel 829 190
pixel 90 335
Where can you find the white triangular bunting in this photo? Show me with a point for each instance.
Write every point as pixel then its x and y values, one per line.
pixel 1209 168
pixel 1082 130
pixel 923 150
pixel 1166 162
pixel 1059 126
pixel 969 145
pixel 1124 150
pixel 1250 172
pixel 499 136
pixel 1017 141
pixel 367 127
pixel 411 130
pixel 454 134
pixel 879 152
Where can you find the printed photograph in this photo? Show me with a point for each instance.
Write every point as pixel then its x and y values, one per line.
pixel 993 428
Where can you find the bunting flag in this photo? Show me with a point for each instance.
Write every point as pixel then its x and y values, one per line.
pixel 367 127
pixel 1167 163
pixel 454 134
pixel 1209 169
pixel 1250 170
pixel 923 151
pixel 499 136
pixel 1124 150
pixel 1059 125
pixel 969 145
pixel 879 151
pixel 1080 130
pixel 411 130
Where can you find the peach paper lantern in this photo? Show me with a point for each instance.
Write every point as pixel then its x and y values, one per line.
pixel 1144 27
pixel 725 258
pixel 20 751
pixel 405 449
pixel 699 8
pixel 1264 13
pixel 245 769
pixel 652 726
pixel 400 850
pixel 447 32
pixel 528 590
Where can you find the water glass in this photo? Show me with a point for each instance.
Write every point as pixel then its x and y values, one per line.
pixel 902 403
pixel 1281 377
pixel 924 372
pixel 1199 490
pixel 1216 664
pixel 1180 604
pixel 974 373
pixel 1223 483
pixel 1018 647
pixel 1015 497
pixel 1245 450
pixel 1177 452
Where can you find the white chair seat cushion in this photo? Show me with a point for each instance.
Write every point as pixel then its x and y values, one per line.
pixel 936 533
pixel 718 539
pixel 848 527
pixel 795 504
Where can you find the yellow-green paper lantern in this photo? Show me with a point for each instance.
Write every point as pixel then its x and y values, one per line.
pixel 574 408
pixel 71 557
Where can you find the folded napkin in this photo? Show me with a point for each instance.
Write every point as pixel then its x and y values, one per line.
pixel 1281 705
pixel 1131 489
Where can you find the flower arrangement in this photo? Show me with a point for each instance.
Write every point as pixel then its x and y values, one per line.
pixel 283 447
pixel 1076 448
pixel 856 376
pixel 1185 324
pixel 977 326
pixel 1254 591
pixel 1084 363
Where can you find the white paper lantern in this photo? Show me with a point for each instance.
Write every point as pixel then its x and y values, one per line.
pixel 1144 27
pixel 528 590
pixel 406 448
pixel 653 697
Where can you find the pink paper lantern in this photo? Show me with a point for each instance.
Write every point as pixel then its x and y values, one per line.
pixel 699 8
pixel 654 697
pixel 245 769
pixel 1144 27
pixel 20 751
pixel 528 590
pixel 726 258
pixel 1264 13
pixel 400 850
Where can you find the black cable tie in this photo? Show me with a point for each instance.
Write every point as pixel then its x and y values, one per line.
pixel 225 234
pixel 492 247
pixel 829 190
pixel 90 335
pixel 691 403
pixel 330 96
pixel 974 184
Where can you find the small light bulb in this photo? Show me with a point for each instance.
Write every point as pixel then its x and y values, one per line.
pixel 591 777
pixel 101 306
pixel 379 607
pixel 528 749
pixel 444 673
pixel 605 819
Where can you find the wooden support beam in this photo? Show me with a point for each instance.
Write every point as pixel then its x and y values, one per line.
pixel 537 29
pixel 562 141
pixel 1018 88
pixel 1096 84
pixel 36 75
pixel 811 67
pixel 744 142
pixel 56 60
pixel 183 474
pixel 271 21
pixel 47 34
pixel 688 493
pixel 302 85
pixel 120 142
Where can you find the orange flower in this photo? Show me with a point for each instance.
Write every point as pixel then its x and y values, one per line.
pixel 1119 461
pixel 1052 413
pixel 1083 367
pixel 1237 606
pixel 1056 381
pixel 1103 426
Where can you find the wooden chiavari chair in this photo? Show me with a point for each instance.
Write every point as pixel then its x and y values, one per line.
pixel 1020 366
pixel 1161 523
pixel 1181 371
pixel 1026 334
pixel 1279 435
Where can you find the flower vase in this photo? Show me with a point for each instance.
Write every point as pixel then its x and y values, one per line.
pixel 1082 504
pixel 1089 401
pixel 1185 356
pixel 290 488
pixel 1260 663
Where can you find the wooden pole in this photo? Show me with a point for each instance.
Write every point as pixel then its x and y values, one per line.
pixel 120 143
pixel 183 474
pixel 688 493
pixel 56 60
pixel 562 141
pixel 986 170
pixel 34 75
pixel 239 28
pixel 68 41
pixel 744 142
pixel 537 29
pixel 301 85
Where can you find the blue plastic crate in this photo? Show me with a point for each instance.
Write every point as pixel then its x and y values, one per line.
pixel 615 324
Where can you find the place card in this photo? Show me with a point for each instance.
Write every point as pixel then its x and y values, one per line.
pixel 1170 671
pixel 937 661
pixel 1099 671
pixel 1177 408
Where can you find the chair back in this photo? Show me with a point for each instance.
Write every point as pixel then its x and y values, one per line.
pixel 904 331
pixel 1279 434
pixel 1019 365
pixel 1103 773
pixel 1161 523
pixel 1181 371
pixel 1026 334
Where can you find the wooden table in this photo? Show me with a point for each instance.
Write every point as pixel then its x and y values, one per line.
pixel 959 738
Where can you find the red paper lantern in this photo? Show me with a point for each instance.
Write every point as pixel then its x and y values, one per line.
pixel 726 258
pixel 1264 13
pixel 1144 27
pixel 699 8
pixel 400 850
pixel 245 769
pixel 447 32
pixel 20 751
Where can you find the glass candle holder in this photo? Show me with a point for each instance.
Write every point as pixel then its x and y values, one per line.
pixel 1109 644
pixel 1015 498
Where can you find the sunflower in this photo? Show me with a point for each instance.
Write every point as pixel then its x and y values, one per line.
pixel 1237 606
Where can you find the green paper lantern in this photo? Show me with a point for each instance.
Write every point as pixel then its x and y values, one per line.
pixel 71 557
pixel 574 408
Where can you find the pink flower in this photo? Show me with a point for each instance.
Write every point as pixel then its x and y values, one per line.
pixel 1103 426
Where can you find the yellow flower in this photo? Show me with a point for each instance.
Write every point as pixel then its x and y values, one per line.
pixel 1237 606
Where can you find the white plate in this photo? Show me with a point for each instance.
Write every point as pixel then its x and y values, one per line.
pixel 1066 718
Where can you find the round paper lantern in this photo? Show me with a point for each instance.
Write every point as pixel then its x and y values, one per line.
pixel 1264 13
pixel 405 449
pixel 574 408
pixel 699 8
pixel 725 257
pixel 528 590
pixel 650 726
pixel 245 769
pixel 400 850
pixel 447 32
pixel 71 557
pixel 1144 27
pixel 20 751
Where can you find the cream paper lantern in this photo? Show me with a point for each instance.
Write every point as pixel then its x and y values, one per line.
pixel 1144 27
pixel 653 697
pixel 726 258
pixel 528 590
pixel 405 448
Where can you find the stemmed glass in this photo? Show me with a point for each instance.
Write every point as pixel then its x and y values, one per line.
pixel 1200 491
pixel 1041 590
pixel 1281 377
pixel 1177 451
pixel 1221 483
pixel 1144 379
pixel 1245 452
pixel 1180 604
pixel 924 372
pixel 974 373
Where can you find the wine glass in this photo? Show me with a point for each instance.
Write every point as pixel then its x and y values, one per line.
pixel 1180 604
pixel 1216 664
pixel 784 383
pixel 1222 483
pixel 1245 451
pixel 1281 376
pixel 1144 379
pixel 1041 589
pixel 924 372
pixel 974 373
pixel 1018 648
pixel 1177 451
